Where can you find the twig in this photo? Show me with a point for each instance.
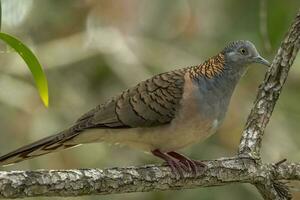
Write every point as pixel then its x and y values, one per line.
pixel 280 162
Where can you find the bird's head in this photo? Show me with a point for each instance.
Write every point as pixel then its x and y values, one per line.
pixel 242 53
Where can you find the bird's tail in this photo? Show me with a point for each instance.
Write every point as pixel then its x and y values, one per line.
pixel 44 146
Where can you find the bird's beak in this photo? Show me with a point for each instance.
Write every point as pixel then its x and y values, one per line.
pixel 261 60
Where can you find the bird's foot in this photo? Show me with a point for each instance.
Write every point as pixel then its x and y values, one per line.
pixel 178 167
pixel 189 163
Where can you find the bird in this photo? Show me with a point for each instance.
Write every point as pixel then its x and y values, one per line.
pixel 160 115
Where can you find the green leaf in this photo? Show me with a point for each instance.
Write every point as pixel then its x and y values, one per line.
pixel 33 64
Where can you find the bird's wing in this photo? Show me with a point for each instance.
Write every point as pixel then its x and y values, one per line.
pixel 152 102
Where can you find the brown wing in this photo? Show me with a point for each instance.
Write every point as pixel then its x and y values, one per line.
pixel 152 102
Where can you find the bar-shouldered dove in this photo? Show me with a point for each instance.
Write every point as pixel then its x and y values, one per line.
pixel 165 113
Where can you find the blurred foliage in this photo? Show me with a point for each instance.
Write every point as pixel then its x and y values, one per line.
pixel 93 49
pixel 31 61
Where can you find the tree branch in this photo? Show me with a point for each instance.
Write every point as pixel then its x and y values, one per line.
pixel 273 190
pixel 269 91
pixel 17 184
pixel 242 169
pixel 264 104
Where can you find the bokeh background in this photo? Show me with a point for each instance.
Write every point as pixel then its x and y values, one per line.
pixel 93 49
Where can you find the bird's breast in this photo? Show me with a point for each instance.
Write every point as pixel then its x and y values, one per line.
pixel 204 100
pixel 200 113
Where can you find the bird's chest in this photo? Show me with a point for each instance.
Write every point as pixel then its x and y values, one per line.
pixel 194 124
pixel 201 112
pixel 202 104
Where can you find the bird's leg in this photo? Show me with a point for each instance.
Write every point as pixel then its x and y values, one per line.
pixel 191 164
pixel 175 165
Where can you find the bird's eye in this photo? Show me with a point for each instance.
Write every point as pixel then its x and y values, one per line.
pixel 243 51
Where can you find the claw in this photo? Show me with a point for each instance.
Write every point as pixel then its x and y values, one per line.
pixel 178 167
pixel 179 163
pixel 190 164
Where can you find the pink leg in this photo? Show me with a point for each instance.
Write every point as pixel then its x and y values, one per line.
pixel 191 164
pixel 175 165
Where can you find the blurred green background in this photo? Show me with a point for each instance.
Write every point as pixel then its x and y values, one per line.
pixel 93 49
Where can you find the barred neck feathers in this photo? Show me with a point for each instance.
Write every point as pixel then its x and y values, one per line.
pixel 210 68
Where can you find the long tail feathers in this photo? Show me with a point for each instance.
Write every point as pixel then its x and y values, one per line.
pixel 44 146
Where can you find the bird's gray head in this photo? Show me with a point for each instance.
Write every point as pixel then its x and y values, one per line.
pixel 242 53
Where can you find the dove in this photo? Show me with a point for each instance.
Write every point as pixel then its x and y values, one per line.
pixel 162 114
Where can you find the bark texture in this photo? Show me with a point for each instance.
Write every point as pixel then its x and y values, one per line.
pixel 269 91
pixel 247 167
pixel 17 184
